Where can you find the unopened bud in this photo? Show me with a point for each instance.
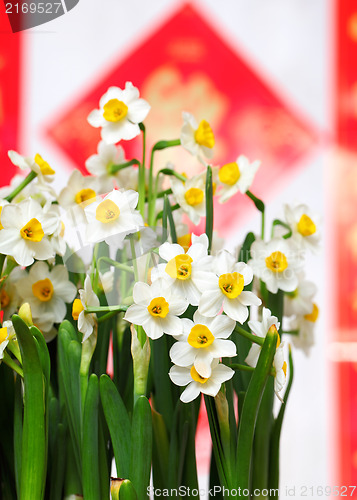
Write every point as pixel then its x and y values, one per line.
pixel 25 314
pixel 116 482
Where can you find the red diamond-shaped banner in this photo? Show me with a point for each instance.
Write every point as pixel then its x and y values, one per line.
pixel 187 66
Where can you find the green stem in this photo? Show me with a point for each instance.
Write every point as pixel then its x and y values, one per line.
pixel 152 192
pixel 209 207
pixel 7 359
pixel 118 265
pixel 113 169
pixel 253 338
pixel 243 368
pixel 278 222
pixel 160 214
pixel 291 332
pixel 142 180
pixel 31 176
pixel 2 260
pixel 117 309
pixel 261 207
pixel 110 314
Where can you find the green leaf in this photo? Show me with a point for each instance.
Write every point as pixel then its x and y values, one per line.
pixel 58 463
pixel 209 207
pixel 33 461
pixel 90 450
pixel 118 423
pixel 141 452
pixel 251 407
pixel 18 410
pixel 167 218
pixel 278 222
pixel 276 432
pixel 244 254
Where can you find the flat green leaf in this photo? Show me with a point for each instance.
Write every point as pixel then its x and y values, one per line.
pixel 141 438
pixel 90 451
pixel 118 423
pixel 34 446
pixel 209 207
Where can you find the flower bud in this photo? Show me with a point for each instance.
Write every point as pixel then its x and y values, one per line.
pixel 25 314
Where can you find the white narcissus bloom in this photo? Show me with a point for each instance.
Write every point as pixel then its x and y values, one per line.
pixel 79 192
pixel 191 196
pixel 305 226
pixel 115 215
pixel 88 298
pixel 300 301
pixel 37 165
pixel 225 287
pixel 203 340
pixel 236 176
pixel 182 270
pixel 156 308
pixel 196 384
pixel 306 327
pixel 280 370
pixel 47 292
pixel 7 333
pixel 9 298
pixel 25 232
pixel 260 328
pixel 120 113
pixel 100 164
pixel 277 263
pixel 197 139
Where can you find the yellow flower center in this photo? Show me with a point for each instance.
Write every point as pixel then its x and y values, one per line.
pixel 115 110
pixel 1 226
pixel 180 267
pixel 276 262
pixel 107 211
pixel 185 241
pixel 4 299
pixel 204 135
pixel 32 231
pixel 3 334
pixel 284 368
pixel 231 284
pixel 85 196
pixel 44 166
pixel 197 377
pixel 43 290
pixel 200 336
pixel 229 173
pixel 77 308
pixel 313 315
pixel 158 307
pixel 306 226
pixel 194 196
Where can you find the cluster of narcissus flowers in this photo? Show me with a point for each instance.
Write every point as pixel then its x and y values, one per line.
pixel 186 287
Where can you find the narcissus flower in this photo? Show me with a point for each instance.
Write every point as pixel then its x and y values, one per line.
pixel 276 263
pixel 225 287
pixel 25 232
pixel 203 340
pixel 115 215
pixel 183 270
pixel 79 192
pixel 306 327
pixel 280 370
pixel 7 333
pixel 100 164
pixel 260 328
pixel 305 226
pixel 88 298
pixel 120 113
pixel 300 301
pixel 196 384
pixel 198 139
pixel 47 292
pixel 36 164
pixel 236 176
pixel 156 308
pixel 191 196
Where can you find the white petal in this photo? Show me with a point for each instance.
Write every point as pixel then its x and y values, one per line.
pixel 142 294
pixel 153 328
pixel 136 314
pixel 182 354
pixel 191 392
pixel 253 355
pixel 210 303
pixel 169 251
pixel 223 349
pixel 172 325
pixel 95 118
pixel 249 299
pixel 180 376
pixel 235 310
pixel 222 327
pixel 138 111
pixel 203 362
